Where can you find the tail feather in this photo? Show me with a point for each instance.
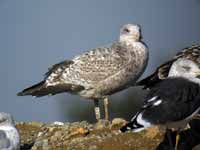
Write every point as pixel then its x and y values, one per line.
pixel 41 89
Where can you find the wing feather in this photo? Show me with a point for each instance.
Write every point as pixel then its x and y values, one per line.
pixel 90 67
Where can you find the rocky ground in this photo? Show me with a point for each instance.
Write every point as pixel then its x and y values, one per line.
pixel 103 135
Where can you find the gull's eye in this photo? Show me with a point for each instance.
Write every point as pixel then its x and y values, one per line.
pixel 186 68
pixel 126 30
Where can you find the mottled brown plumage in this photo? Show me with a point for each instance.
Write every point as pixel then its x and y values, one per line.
pixel 99 72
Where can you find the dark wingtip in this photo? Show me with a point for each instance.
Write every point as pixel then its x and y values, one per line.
pixel 20 94
pixel 132 126
pixel 31 90
pixel 123 129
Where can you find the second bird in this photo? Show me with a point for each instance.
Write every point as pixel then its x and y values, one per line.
pixel 98 73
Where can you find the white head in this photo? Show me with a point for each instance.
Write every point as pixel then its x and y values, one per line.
pixel 6 118
pixel 185 68
pixel 130 33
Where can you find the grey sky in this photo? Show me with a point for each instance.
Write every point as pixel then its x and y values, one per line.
pixel 34 34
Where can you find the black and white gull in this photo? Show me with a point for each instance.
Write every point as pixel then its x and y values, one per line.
pixel 191 53
pixel 172 102
pixel 98 73
pixel 9 135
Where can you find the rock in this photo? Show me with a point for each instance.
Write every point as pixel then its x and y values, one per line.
pixel 29 132
pixel 102 124
pixel 58 123
pixel 197 147
pixel 118 122
pixel 83 136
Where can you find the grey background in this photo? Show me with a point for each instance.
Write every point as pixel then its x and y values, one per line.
pixel 34 34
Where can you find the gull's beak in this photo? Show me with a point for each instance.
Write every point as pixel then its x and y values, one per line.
pixel 198 74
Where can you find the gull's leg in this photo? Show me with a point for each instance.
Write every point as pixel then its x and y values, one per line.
pixel 97 110
pixel 168 132
pixel 106 108
pixel 177 140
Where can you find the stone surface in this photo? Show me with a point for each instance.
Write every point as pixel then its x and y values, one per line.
pixel 196 147
pixel 84 136
pixel 28 133
pixel 103 135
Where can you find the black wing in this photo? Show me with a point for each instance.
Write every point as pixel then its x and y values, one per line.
pixel 175 100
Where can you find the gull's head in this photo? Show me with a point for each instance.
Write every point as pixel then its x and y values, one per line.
pixel 6 118
pixel 185 68
pixel 130 33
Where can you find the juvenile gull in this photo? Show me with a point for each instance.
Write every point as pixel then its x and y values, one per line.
pixel 172 102
pixel 9 136
pixel 191 53
pixel 99 72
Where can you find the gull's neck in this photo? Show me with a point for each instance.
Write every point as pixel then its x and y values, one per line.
pixel 127 40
